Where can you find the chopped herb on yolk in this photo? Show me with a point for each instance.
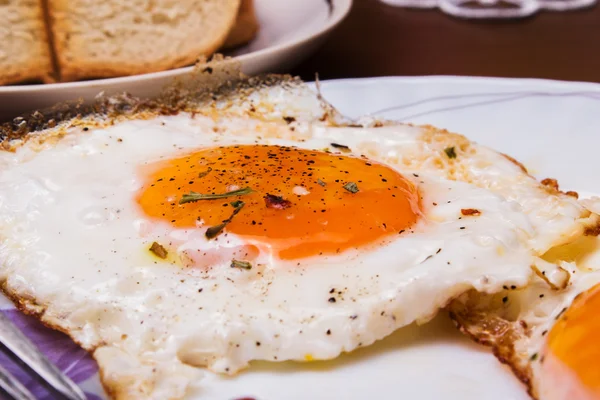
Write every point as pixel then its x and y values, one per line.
pixel 158 250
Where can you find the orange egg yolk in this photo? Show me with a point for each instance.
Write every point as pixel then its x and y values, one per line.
pixel 302 202
pixel 573 350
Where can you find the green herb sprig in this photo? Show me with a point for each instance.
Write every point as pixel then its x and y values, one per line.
pixel 216 230
pixel 241 264
pixel 351 187
pixel 195 196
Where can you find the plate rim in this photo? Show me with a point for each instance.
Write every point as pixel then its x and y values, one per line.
pixel 339 11
pixel 458 79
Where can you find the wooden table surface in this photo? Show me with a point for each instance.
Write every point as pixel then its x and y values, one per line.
pixel 377 40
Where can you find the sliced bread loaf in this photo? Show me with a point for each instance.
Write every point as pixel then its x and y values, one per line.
pixel 114 38
pixel 24 49
pixel 245 28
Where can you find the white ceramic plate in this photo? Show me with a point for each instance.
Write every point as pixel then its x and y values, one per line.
pixel 289 31
pixel 551 126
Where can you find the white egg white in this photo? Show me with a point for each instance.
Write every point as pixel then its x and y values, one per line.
pixel 74 245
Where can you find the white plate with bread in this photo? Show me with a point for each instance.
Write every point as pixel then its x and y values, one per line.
pixel 59 50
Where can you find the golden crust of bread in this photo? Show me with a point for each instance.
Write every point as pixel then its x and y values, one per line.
pixel 245 28
pixel 41 71
pixel 27 74
pixel 83 69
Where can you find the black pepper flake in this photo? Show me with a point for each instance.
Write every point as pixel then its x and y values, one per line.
pixel 450 152
pixel 328 331
pixel 534 357
pixel 321 183
pixel 158 250
pixel 341 147
pixel 332 300
pixel 289 120
pixel 351 187
pixel 204 173
pixel 505 299
pixel 427 258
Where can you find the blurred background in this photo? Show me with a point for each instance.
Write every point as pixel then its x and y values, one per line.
pixel 379 39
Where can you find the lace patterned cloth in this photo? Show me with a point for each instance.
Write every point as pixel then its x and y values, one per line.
pixel 493 8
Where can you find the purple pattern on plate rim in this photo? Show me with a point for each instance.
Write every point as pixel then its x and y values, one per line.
pixel 72 360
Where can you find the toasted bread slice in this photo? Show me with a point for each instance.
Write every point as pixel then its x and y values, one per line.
pixel 24 49
pixel 245 28
pixel 116 38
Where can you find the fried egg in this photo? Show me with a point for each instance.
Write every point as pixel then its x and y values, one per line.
pixel 257 226
pixel 546 334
